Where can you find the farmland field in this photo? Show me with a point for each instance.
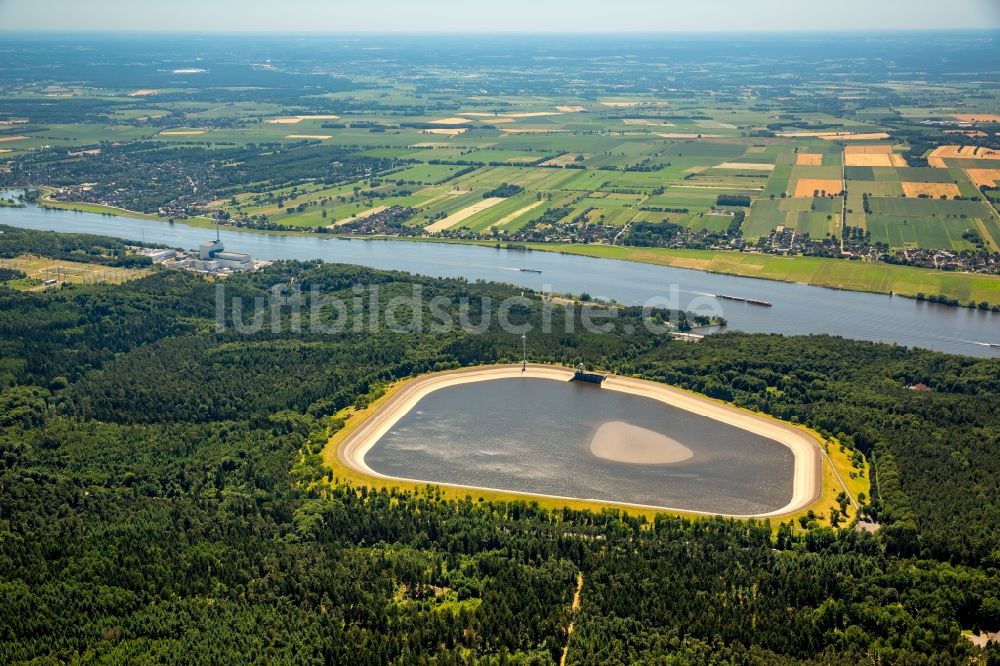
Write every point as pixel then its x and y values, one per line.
pixel 439 157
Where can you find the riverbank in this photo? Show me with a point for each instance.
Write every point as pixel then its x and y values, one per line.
pixel 46 201
pixel 346 450
pixel 879 278
pixel 798 309
pixel 843 274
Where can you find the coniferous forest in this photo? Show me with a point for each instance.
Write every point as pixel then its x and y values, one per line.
pixel 163 498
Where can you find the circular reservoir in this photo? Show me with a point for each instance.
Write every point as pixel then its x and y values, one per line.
pixel 577 440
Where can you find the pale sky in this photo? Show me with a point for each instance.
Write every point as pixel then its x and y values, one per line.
pixel 463 16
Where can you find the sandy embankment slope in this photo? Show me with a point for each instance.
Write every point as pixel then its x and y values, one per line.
pixel 807 481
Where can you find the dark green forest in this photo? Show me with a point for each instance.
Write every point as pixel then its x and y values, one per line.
pixel 163 497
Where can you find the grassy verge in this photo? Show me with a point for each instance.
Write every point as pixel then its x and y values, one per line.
pixel 855 482
pixel 355 418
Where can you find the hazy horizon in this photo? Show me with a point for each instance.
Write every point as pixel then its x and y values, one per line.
pixel 517 17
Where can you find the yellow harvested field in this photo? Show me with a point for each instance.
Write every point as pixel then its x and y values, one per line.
pixel 464 214
pixel 644 121
pixel 445 195
pixel 360 216
pixel 873 136
pixel 529 130
pixel 561 160
pixel 868 160
pixel 880 155
pixel 532 114
pixel 6 150
pixel 977 117
pixel 507 219
pixel 445 131
pixel 879 149
pixel 938 156
pixel 809 159
pixel 973 134
pixel 964 153
pixel 451 121
pixel 8 139
pixel 806 187
pixel 292 120
pixel 746 166
pixel 804 134
pixel 987 177
pixel 835 136
pixel 143 92
pixel 477 114
pixel 182 132
pixel 499 120
pixel 683 135
pixel 620 105
pixel 933 190
pixel 321 137
pixel 571 109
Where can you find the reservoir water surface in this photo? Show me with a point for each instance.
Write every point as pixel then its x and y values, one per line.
pixel 569 439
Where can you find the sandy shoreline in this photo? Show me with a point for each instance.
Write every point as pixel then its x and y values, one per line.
pixel 806 484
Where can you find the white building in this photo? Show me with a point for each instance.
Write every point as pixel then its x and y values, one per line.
pixel 234 261
pixel 210 249
pixel 159 256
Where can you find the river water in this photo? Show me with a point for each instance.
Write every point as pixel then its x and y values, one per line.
pixel 797 309
pixel 534 435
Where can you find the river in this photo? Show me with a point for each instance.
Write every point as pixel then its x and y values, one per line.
pixel 797 309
